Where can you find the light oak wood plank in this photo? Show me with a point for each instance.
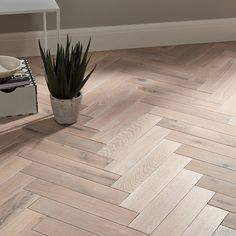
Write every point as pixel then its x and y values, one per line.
pixel 13 186
pixel 183 215
pixel 223 202
pixel 22 223
pixel 212 170
pixel 50 226
pixel 150 188
pixel 206 222
pixel 230 221
pixel 198 132
pixel 202 143
pixel 83 202
pixel 218 186
pixel 138 150
pixel 122 121
pixel 224 231
pixel 76 183
pixel 197 121
pixel 72 167
pixel 120 144
pixel 73 154
pixel 144 168
pixel 206 156
pixel 82 219
pixel 15 205
pixel 161 206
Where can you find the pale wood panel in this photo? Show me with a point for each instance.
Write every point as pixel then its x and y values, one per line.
pixel 104 99
pixel 229 106
pixel 13 186
pixel 72 167
pixel 224 231
pixel 218 186
pixel 150 188
pixel 15 205
pixel 33 233
pixel 190 110
pixel 115 109
pixel 206 222
pixel 182 216
pixel 122 121
pixel 230 221
pixel 70 153
pixel 197 121
pixel 75 183
pixel 75 141
pixel 82 219
pixel 12 168
pixel 206 156
pixel 120 144
pixel 138 150
pixel 50 226
pixel 198 132
pixel 161 206
pixel 212 170
pixel 82 202
pixel 202 143
pixel 144 168
pixel 22 223
pixel 224 202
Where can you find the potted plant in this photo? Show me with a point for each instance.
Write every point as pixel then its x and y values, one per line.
pixel 65 77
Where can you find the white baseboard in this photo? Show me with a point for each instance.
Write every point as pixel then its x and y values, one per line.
pixel 126 36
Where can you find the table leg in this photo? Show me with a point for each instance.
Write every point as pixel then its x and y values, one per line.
pixel 45 30
pixel 58 26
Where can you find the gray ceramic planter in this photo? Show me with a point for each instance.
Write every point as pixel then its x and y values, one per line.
pixel 66 111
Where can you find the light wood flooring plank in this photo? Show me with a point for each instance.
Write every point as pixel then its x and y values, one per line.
pixel 83 202
pixel 218 186
pixel 75 183
pixel 198 132
pixel 121 143
pixel 70 153
pixel 72 167
pixel 223 202
pixel 230 221
pixel 144 168
pixel 202 143
pixel 15 205
pixel 183 215
pixel 206 156
pixel 82 219
pixel 22 223
pixel 161 206
pixel 193 120
pixel 212 170
pixel 50 226
pixel 224 231
pixel 206 222
pixel 138 150
pixel 153 185
pixel 122 121
pixel 13 186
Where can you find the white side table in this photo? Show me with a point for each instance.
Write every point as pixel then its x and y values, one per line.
pixel 13 7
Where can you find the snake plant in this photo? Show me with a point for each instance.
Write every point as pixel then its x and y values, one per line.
pixel 65 73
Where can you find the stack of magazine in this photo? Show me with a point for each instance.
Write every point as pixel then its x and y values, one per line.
pixel 22 77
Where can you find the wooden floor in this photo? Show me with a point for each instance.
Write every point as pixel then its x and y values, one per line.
pixel 153 152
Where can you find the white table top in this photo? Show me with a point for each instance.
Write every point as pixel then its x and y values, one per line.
pixel 9 7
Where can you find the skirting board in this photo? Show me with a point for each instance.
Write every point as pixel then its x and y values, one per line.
pixel 125 36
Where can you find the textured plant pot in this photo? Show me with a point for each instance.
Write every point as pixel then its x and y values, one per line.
pixel 66 111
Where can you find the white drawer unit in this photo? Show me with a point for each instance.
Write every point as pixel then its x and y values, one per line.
pixel 19 100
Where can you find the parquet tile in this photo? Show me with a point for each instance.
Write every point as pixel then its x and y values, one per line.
pixel 153 151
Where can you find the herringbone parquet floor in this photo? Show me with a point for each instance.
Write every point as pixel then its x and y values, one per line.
pixel 153 153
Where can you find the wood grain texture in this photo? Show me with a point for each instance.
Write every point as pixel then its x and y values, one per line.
pixel 153 151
